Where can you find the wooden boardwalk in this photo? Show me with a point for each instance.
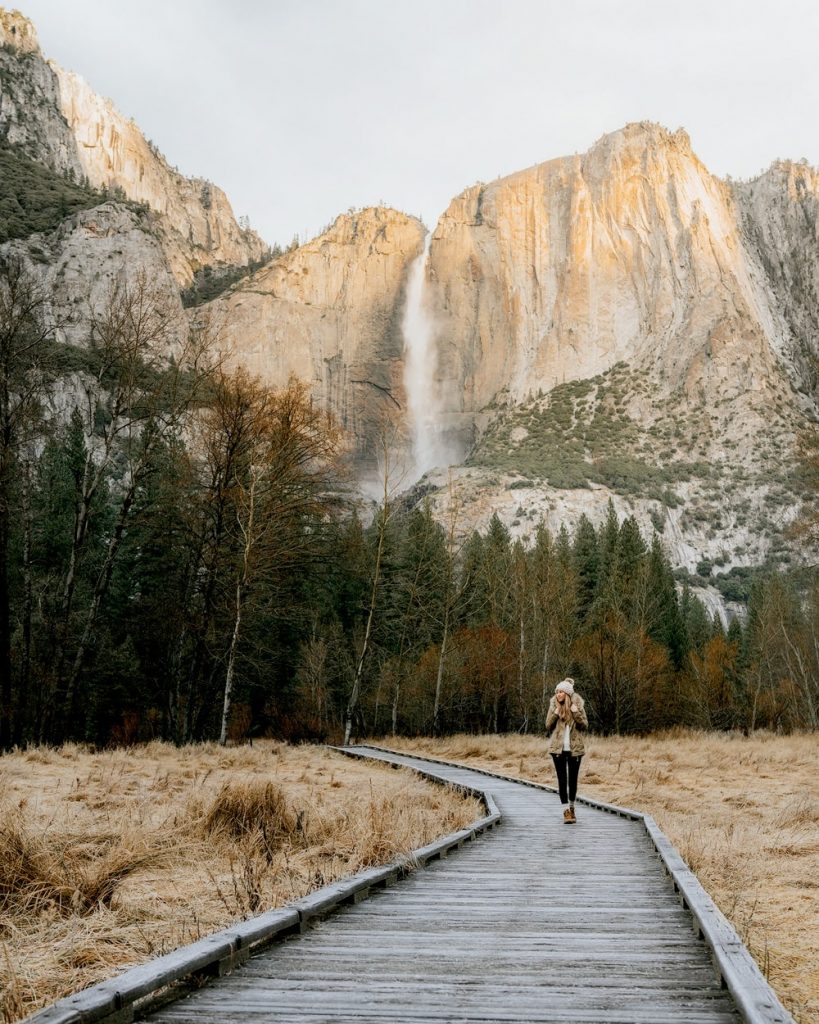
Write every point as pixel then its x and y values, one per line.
pixel 536 921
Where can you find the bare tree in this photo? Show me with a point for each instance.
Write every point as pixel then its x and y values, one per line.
pixel 272 455
pixel 797 627
pixel 312 678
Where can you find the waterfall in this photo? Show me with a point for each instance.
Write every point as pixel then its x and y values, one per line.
pixel 420 365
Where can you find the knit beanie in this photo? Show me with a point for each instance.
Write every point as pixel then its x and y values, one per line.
pixel 567 686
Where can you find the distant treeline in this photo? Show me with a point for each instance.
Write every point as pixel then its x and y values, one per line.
pixel 178 559
pixel 209 282
pixel 34 198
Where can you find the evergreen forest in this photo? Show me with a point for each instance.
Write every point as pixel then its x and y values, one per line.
pixel 182 557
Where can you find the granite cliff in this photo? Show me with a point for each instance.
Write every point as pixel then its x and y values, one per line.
pixel 631 252
pixel 329 312
pixel 57 119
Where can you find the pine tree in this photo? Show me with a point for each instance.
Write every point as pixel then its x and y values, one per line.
pixel 555 621
pixel 155 582
pixel 473 611
pixel 631 553
pixel 608 550
pixel 586 554
pixel 698 625
pixel 414 599
pixel 667 626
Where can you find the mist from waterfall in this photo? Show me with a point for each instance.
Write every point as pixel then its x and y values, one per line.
pixel 429 448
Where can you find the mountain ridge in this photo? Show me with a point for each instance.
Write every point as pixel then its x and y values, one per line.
pixel 616 324
pixel 57 117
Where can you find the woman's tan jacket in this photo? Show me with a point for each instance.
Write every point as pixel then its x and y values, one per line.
pixel 554 727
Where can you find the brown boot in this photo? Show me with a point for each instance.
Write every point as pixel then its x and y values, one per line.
pixel 567 817
pixel 572 816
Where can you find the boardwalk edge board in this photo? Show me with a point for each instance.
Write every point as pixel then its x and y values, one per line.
pixel 737 970
pixel 119 999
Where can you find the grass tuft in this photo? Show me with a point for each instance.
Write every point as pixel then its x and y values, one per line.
pixel 253 809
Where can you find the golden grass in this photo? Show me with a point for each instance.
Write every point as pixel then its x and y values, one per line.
pixel 742 811
pixel 110 859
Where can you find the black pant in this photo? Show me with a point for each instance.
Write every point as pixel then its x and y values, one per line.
pixel 567 768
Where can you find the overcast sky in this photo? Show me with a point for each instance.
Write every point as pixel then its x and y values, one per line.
pixel 300 109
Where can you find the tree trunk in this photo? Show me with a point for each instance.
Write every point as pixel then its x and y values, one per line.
pixel 543 668
pixel 231 666
pixel 439 679
pixel 355 693
pixel 377 710
pixel 6 466
pixel 395 699
pixel 100 590
pixel 524 725
pixel 82 518
pixel 24 701
pixel 248 533
pixel 803 674
pixel 206 559
pixel 92 477
pixel 174 696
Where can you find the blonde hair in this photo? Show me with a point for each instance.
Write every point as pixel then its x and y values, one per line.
pixel 564 708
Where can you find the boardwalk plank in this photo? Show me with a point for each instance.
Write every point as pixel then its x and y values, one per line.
pixel 476 1016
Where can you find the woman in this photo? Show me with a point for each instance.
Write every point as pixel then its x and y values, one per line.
pixel 565 721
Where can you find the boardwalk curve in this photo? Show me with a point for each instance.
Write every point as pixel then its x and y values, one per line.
pixel 536 922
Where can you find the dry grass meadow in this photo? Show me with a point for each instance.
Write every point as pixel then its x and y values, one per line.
pixel 109 859
pixel 742 811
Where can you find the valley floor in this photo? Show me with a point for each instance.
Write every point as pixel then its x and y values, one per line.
pixel 110 859
pixel 742 811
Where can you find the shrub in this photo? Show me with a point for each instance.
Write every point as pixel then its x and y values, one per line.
pixel 735 585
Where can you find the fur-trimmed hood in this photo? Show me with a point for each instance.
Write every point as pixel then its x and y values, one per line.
pixel 577 727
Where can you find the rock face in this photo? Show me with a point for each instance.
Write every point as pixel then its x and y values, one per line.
pixel 624 324
pixel 684 307
pixel 779 212
pixel 631 252
pixel 81 261
pixel 18 32
pixel 113 153
pixel 30 114
pixel 61 122
pixel 329 312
